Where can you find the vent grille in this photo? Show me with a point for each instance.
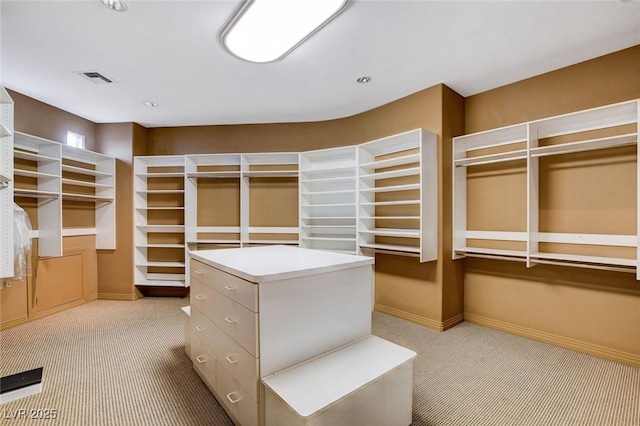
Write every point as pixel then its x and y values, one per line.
pixel 95 77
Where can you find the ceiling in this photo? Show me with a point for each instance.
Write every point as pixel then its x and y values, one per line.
pixel 168 52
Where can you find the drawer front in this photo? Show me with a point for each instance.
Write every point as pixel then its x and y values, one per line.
pixel 231 286
pixel 237 361
pixel 204 363
pixel 236 321
pixel 202 329
pixel 201 297
pixel 236 400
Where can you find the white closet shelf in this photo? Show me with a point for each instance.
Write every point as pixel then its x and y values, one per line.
pixel 161 283
pixel 179 246
pixel 392 162
pixel 327 170
pixel 161 264
pixel 161 191
pixel 214 175
pixel 161 174
pixel 588 145
pixel 329 205
pixel 205 241
pixel 31 156
pixel 520 154
pixel 329 238
pixel 75 182
pixel 342 191
pixel 586 259
pixel 495 137
pixel 161 228
pixel 412 171
pixel 34 193
pixel 391 247
pixel 332 226
pixel 271 173
pixel 391 218
pixel 161 208
pixel 389 232
pixel 394 188
pixel 391 203
pixel 86 198
pixel 34 174
pixel 84 171
pixel 328 217
pixel 285 242
pixel 330 180
pixel 491 252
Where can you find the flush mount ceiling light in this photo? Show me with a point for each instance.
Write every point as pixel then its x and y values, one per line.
pixel 117 5
pixel 364 79
pixel 267 30
pixel 150 104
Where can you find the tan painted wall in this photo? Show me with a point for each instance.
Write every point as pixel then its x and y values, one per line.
pixel 595 312
pixel 115 267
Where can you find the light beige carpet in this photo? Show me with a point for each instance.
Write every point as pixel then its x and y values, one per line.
pixel 123 363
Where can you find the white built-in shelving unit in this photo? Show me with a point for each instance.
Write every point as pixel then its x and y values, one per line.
pixel 398 195
pixel 380 196
pixel 328 197
pixel 159 220
pixel 52 174
pixel 6 185
pixel 599 131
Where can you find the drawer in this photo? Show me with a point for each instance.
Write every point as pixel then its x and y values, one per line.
pixel 202 329
pixel 235 399
pixel 237 361
pixel 231 286
pixel 204 363
pixel 235 320
pixel 201 297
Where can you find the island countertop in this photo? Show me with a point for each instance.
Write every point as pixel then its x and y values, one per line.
pixel 277 262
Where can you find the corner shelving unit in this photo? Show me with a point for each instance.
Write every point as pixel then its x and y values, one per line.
pixel 159 215
pixel 328 197
pixel 397 195
pixel 6 185
pixel 601 133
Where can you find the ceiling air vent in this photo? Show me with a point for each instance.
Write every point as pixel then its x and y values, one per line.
pixel 95 77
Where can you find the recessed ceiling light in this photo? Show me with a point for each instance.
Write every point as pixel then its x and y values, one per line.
pixel 117 5
pixel 151 104
pixel 267 30
pixel 363 79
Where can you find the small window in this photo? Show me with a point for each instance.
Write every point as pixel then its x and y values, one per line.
pixel 75 139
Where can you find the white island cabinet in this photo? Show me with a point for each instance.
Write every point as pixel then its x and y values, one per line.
pixel 258 311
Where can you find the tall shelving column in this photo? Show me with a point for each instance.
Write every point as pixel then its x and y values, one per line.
pixel 212 179
pixel 491 153
pixel 397 195
pixel 37 176
pixel 328 197
pixel 6 185
pixel 258 224
pixel 159 255
pixel 89 177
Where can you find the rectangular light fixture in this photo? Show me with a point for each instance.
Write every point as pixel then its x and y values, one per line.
pixel 267 30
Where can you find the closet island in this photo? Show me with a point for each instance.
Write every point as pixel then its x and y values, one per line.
pixel 260 311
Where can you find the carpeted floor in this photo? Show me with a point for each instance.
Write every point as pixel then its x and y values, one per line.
pixel 123 363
